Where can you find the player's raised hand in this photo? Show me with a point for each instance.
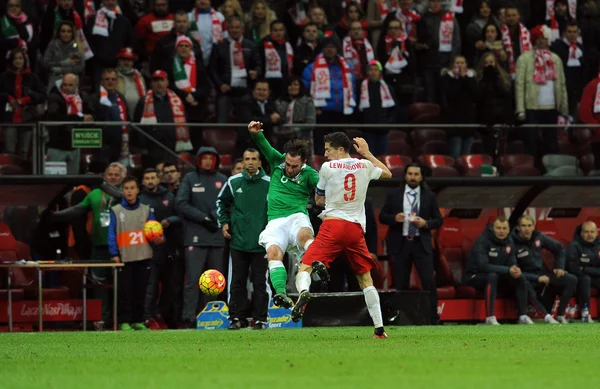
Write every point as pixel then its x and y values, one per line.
pixel 361 146
pixel 255 127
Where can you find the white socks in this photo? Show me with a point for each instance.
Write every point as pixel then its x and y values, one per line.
pixel 275 264
pixel 308 243
pixel 372 300
pixel 303 281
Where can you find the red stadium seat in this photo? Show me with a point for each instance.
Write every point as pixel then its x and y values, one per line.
pixel 397 172
pixel 10 159
pixel 522 171
pixel 317 161
pixel 444 171
pixel 399 147
pixel 392 161
pixel 435 160
pixel 439 147
pixel 397 135
pixel 226 163
pixel 452 258
pixel 221 139
pixel 469 164
pixel 508 161
pixel 11 170
pixel 587 163
pixel 423 135
pixel 418 111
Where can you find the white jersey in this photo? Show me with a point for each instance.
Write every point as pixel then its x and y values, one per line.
pixel 344 184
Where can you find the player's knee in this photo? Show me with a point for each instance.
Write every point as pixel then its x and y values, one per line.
pixel 364 280
pixel 305 235
pixel 274 253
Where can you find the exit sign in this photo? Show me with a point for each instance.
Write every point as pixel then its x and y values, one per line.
pixel 84 138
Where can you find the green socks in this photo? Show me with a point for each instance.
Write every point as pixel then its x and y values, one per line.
pixel 278 276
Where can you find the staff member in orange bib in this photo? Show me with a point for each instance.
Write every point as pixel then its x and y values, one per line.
pixel 127 244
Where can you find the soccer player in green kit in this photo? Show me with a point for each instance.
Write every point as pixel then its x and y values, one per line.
pixel 288 228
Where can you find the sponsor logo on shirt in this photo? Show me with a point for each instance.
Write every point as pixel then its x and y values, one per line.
pixel 507 249
pixel 538 243
pixel 218 184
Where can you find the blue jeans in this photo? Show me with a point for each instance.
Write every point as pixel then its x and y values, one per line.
pixel 460 145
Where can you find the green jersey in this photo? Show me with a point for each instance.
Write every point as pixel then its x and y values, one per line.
pixel 287 196
pixel 99 203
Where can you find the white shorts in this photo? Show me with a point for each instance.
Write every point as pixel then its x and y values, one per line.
pixel 283 232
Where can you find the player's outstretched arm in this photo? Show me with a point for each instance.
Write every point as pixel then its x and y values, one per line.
pixel 273 156
pixel 362 148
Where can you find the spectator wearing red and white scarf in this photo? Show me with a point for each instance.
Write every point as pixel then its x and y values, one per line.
pixel 153 26
pixel 18 30
pixel 165 46
pixel 575 63
pixel 188 78
pixel 131 84
pixel 397 54
pixel 559 19
pixel 377 12
pixel 515 38
pixel 62 12
pixel 378 106
pixel 358 51
pixel 407 15
pixel 332 87
pixel 108 31
pixel 540 92
pixel 209 26
pixel 589 107
pixel 439 42
pixel 66 104
pixel 109 105
pixel 234 66
pixel 160 105
pixel 277 58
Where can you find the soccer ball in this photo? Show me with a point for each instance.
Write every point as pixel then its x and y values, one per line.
pixel 212 282
pixel 152 230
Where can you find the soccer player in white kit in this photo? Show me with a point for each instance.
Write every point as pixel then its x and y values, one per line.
pixel 342 189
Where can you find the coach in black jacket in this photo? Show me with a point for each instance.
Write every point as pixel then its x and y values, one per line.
pixel 529 244
pixel 412 212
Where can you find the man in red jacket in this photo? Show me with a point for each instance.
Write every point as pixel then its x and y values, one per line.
pixel 150 28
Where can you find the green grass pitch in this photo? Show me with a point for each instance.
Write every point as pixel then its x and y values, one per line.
pixel 509 356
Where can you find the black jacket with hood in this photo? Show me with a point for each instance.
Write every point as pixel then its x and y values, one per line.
pixel 162 204
pixel 196 203
pixel 583 257
pixel 491 255
pixel 529 253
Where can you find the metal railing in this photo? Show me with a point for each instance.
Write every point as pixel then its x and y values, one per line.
pixel 39 131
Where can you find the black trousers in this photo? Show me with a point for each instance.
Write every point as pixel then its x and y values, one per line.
pixel 131 293
pixel 242 264
pixel 490 282
pixel 584 286
pixel 161 272
pixel 543 296
pixel 549 135
pixel 197 261
pixel 414 253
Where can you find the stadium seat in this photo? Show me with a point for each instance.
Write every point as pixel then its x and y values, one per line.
pixel 221 139
pixel 561 165
pixel 506 162
pixel 11 170
pixel 226 164
pixel 392 161
pixel 417 112
pixel 522 171
pixel 397 135
pixel 422 135
pixel 567 148
pixel 470 164
pixel 587 163
pixel 397 172
pixel 444 171
pixel 435 160
pixel 10 159
pixel 434 147
pixel 399 147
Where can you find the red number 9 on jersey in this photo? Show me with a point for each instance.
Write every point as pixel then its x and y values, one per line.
pixel 350 186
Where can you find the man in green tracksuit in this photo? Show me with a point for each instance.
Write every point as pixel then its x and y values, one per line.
pixel 99 202
pixel 242 212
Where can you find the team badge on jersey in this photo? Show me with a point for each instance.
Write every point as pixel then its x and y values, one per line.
pixel 166 202
pixel 218 184
pixel 538 243
pixel 507 249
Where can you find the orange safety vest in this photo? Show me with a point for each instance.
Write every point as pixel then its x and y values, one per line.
pixel 88 223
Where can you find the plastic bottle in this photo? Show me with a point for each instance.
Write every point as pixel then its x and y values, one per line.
pixel 585 314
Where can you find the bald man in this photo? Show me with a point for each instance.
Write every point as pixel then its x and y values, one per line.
pixel 583 260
